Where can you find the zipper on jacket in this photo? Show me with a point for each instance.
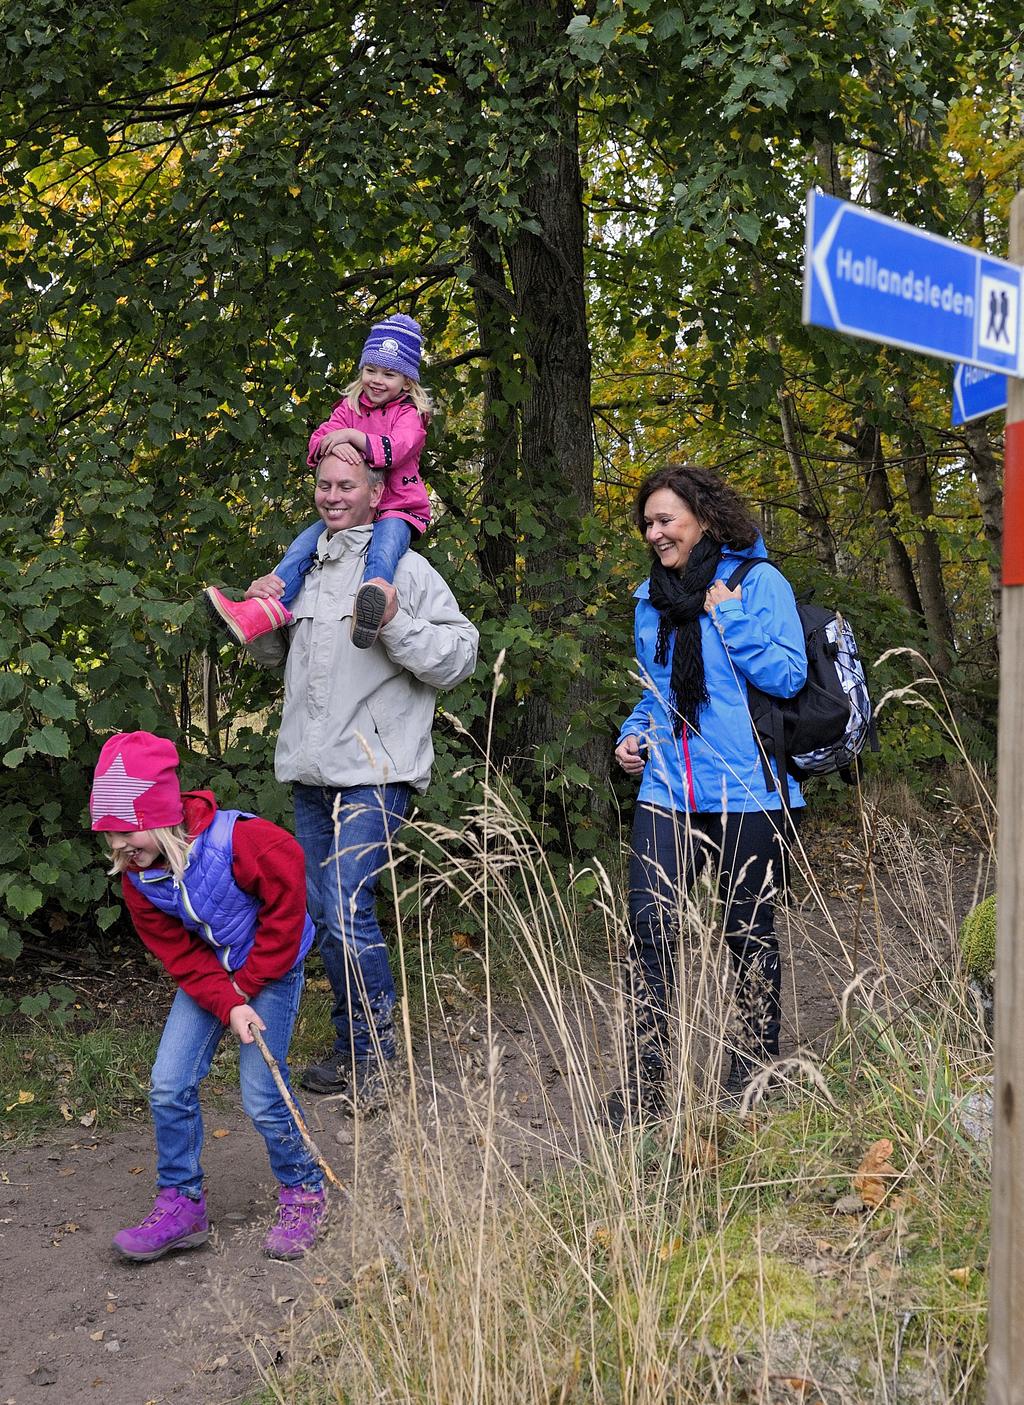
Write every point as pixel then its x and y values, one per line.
pixel 689 767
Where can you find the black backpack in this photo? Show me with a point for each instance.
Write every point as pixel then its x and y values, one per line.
pixel 825 727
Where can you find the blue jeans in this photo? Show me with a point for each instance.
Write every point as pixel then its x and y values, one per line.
pixel 388 544
pixel 345 835
pixel 187 1046
pixel 669 852
pixel 297 560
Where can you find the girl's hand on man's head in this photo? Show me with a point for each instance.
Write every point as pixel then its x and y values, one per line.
pixel 346 453
pixel 330 441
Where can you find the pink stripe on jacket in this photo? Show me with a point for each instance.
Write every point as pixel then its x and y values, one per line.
pixel 395 435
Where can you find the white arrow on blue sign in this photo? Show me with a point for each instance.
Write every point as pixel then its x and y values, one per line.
pixel 874 277
pixel 976 393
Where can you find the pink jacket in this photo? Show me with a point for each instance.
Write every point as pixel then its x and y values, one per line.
pixel 395 435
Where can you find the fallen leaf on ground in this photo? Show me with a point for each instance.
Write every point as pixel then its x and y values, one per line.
pixel 21 1100
pixel 98 1336
pixel 962 1275
pixel 66 1112
pixel 135 1170
pixel 873 1173
pixel 800 1385
pixel 848 1205
pixel 88 1119
pixel 66 1171
pixel 700 1152
pixel 222 1132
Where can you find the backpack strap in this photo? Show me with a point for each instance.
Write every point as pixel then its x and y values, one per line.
pixel 743 570
pixel 776 749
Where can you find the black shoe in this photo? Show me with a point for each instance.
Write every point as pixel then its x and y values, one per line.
pixel 332 1074
pixel 639 1099
pixel 368 1092
pixel 368 615
pixel 742 1072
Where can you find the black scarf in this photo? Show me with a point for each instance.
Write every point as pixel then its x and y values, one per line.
pixel 678 596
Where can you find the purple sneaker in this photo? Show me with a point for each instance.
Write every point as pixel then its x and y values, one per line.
pixel 175 1222
pixel 300 1214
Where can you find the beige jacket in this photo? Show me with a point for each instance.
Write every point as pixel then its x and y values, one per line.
pixel 364 716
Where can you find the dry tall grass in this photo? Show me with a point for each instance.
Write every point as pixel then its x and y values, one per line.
pixel 722 1256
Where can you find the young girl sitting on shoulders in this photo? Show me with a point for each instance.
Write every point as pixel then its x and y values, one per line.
pixel 219 897
pixel 381 420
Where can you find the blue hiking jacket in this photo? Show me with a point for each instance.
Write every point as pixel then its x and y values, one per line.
pixel 716 767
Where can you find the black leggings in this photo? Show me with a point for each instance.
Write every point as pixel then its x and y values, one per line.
pixel 669 852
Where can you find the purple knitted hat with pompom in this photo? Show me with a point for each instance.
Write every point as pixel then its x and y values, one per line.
pixel 396 344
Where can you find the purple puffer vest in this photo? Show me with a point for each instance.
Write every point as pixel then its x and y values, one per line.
pixel 208 901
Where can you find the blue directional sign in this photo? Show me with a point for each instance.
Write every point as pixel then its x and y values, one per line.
pixel 976 393
pixel 873 277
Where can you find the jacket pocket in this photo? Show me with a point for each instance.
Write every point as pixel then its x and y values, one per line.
pixel 393 734
pixel 384 752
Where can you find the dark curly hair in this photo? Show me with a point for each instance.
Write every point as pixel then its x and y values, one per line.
pixel 718 508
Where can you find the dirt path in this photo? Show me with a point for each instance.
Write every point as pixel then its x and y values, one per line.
pixel 194 1328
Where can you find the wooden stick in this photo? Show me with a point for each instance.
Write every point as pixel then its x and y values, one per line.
pixel 282 1088
pixel 313 1149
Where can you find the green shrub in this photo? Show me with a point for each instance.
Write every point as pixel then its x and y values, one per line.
pixel 978 939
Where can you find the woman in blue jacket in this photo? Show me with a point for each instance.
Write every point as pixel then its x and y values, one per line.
pixel 703 793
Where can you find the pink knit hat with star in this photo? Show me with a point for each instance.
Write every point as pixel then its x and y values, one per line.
pixel 135 785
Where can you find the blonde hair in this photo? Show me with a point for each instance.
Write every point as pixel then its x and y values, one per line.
pixel 417 393
pixel 173 843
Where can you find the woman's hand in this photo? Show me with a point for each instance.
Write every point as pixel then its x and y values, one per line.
pixel 627 754
pixel 269 587
pixel 241 1017
pixel 717 592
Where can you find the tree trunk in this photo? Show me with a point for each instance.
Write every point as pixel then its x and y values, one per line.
pixel 557 457
pixel 867 447
pixel 813 518
pixel 831 176
pixel 929 557
pixel 500 448
pixel 989 478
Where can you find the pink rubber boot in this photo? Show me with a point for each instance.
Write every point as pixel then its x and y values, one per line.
pixel 246 620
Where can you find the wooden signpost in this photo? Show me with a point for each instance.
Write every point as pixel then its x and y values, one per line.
pixel 1006 1258
pixel 869 276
